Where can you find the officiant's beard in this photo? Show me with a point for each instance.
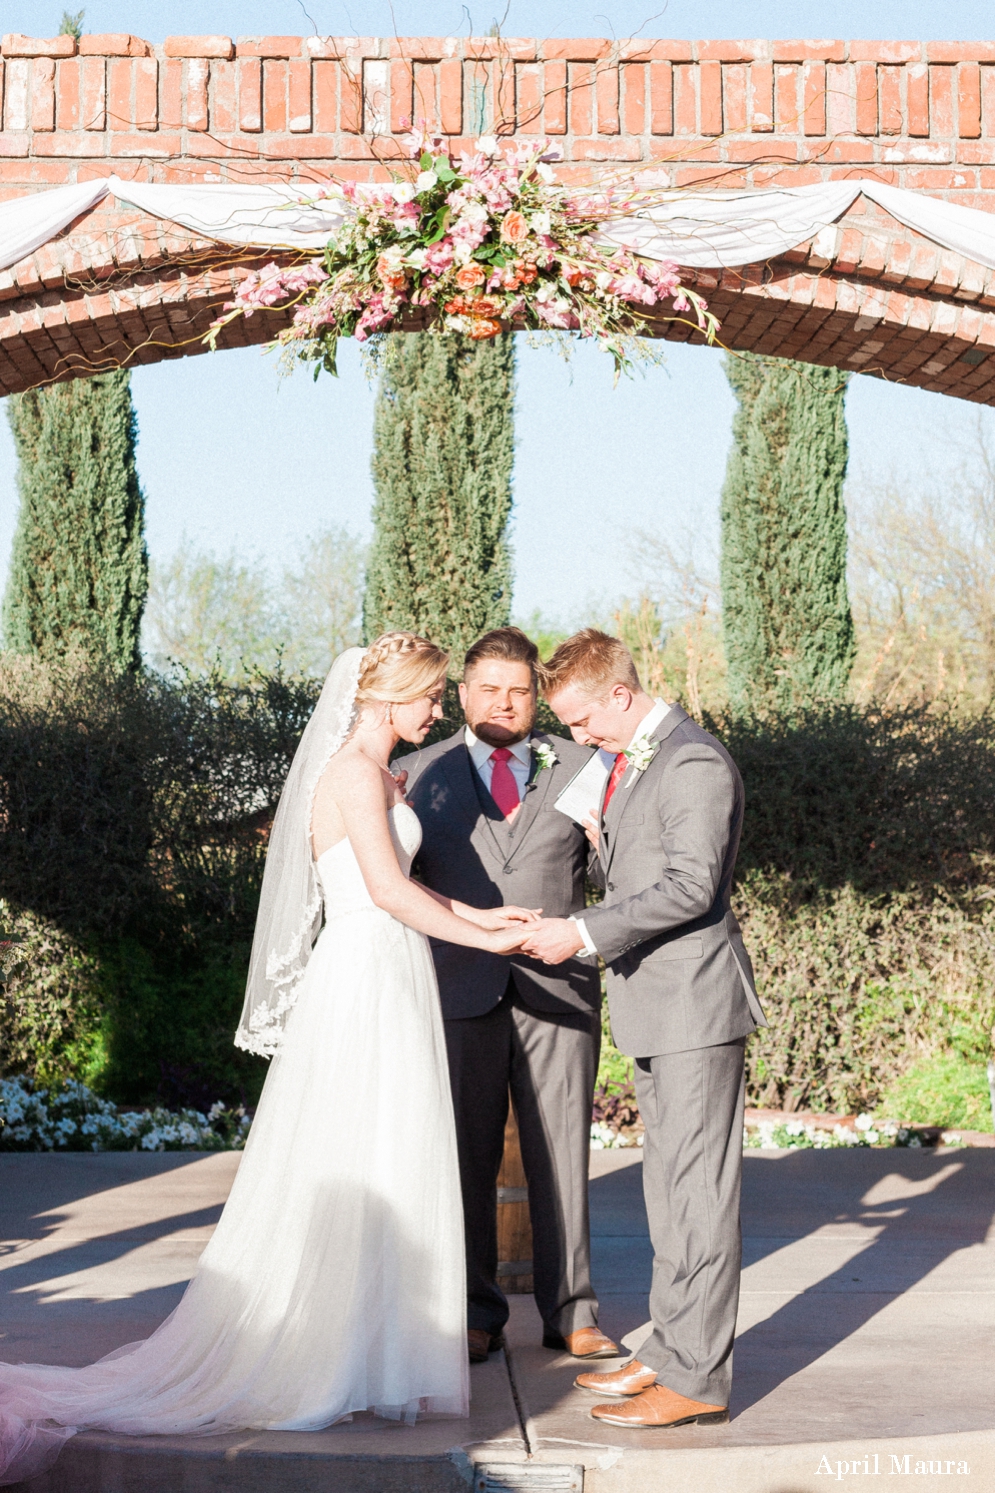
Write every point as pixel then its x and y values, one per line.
pixel 496 735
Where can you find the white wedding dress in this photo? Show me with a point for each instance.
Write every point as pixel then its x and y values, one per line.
pixel 335 1280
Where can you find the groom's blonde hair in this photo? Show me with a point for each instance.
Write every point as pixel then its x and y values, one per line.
pixel 398 667
pixel 592 662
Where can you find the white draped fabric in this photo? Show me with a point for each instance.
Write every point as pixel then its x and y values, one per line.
pixel 28 222
pixel 702 230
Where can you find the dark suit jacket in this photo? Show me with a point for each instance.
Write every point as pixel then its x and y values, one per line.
pixel 468 852
pixel 679 976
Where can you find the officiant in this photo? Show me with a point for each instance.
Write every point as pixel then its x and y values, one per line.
pixel 491 836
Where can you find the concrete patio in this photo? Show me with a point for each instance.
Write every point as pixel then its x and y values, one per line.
pixel 865 1331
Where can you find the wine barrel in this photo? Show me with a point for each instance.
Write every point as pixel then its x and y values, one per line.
pixel 514 1228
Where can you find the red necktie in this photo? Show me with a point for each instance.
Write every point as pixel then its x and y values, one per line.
pixel 504 789
pixel 621 763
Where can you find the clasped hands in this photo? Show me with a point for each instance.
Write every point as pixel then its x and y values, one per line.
pixel 526 931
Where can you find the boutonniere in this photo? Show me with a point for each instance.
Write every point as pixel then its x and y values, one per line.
pixel 544 755
pixel 641 755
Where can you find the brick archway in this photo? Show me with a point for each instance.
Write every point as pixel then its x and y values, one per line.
pixel 869 295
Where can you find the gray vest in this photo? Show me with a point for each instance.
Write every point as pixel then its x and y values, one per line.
pixel 471 853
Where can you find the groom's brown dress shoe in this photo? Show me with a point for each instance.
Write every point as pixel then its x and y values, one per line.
pixel 660 1406
pixel 480 1343
pixel 586 1342
pixel 631 1379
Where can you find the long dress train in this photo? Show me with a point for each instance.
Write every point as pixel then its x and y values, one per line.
pixel 335 1279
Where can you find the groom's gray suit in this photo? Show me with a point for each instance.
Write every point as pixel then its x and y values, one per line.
pixel 682 1001
pixel 513 1021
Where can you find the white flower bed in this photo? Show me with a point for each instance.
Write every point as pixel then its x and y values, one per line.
pixel 72 1118
pixel 799 1135
pixel 604 1138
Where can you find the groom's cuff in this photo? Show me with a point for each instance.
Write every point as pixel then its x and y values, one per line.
pixel 588 948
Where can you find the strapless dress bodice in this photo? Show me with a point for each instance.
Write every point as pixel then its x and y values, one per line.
pixel 338 869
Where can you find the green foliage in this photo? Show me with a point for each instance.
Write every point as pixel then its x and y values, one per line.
pixel 440 562
pixel 133 819
pixel 211 614
pixel 72 24
pixel 866 890
pixel 79 569
pixel 788 629
pixel 614 1068
pixel 134 812
pixel 546 633
pixel 948 1090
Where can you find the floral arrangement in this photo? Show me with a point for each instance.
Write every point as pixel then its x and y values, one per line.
pixel 72 1118
pixel 479 246
pixel 544 755
pixel 640 755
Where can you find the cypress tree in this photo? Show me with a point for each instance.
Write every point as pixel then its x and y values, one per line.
pixel 79 567
pixel 440 562
pixel 786 615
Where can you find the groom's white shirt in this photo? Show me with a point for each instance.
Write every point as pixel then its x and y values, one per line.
pixel 645 728
pixel 520 762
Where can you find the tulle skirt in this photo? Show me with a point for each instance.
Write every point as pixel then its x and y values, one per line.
pixel 335 1280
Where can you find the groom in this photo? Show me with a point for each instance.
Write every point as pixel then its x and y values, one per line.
pixel 491 836
pixel 682 1001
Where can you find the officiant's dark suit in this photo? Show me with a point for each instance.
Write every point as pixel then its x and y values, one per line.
pixel 512 1021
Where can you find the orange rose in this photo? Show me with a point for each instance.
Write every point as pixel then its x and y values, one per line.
pixel 470 275
pixel 573 277
pixel 481 328
pixel 486 305
pixel 514 228
pixel 390 275
pixel 528 273
pixel 460 305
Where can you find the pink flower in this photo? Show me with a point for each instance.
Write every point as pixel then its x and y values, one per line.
pixel 405 213
pixel 272 284
pixel 375 317
pixel 439 257
pixel 553 316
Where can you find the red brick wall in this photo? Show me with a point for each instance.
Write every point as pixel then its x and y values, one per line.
pixel 920 115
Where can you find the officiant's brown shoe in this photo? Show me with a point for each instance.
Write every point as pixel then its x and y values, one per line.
pixel 481 1344
pixel 631 1379
pixel 586 1342
pixel 660 1406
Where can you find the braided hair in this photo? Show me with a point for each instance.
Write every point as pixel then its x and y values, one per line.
pixel 398 667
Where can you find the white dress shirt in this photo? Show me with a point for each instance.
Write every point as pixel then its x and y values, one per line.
pixel 520 761
pixel 645 728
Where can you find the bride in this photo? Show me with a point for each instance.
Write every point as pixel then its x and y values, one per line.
pixel 334 1281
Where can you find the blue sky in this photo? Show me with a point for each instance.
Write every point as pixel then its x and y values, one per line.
pixel 963 20
pixel 232 455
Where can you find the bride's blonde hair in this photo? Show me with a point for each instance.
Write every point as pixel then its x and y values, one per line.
pixel 398 667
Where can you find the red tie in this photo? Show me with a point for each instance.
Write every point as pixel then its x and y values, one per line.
pixel 504 789
pixel 621 763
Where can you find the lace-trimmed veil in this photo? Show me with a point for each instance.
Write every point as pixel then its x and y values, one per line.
pixel 290 904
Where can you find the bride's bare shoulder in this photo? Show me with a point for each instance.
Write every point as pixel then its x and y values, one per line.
pixel 352 773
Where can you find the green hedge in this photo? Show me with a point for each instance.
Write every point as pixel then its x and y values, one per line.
pixel 133 819
pixel 866 889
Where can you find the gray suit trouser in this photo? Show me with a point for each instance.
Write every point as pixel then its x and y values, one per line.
pixel 692 1106
pixel 550 1063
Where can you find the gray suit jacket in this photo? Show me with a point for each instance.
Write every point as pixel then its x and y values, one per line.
pixel 679 976
pixel 470 853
